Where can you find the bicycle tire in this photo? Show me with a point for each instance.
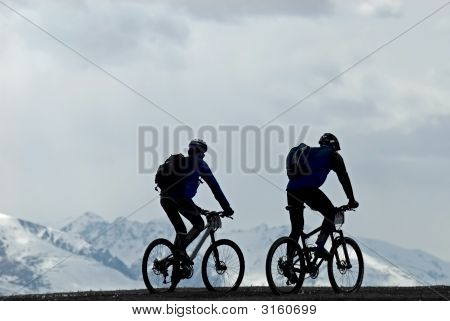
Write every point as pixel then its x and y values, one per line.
pixel 338 273
pixel 154 278
pixel 227 275
pixel 276 268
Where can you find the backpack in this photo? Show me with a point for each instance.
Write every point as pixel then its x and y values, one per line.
pixel 297 164
pixel 170 175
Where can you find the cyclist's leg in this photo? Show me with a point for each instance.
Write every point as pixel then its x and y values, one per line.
pixel 296 214
pixel 318 201
pixel 296 209
pixel 192 213
pixel 171 208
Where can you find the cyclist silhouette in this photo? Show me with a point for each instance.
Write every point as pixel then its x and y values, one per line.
pixel 178 199
pixel 303 188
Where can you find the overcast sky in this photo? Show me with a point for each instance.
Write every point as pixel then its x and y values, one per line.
pixel 69 132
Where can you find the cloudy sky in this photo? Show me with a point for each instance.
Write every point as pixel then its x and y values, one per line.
pixel 69 130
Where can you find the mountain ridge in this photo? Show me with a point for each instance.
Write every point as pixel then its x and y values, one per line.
pixel 108 255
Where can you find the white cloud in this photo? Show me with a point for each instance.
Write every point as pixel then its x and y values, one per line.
pixel 231 9
pixel 68 132
pixel 380 8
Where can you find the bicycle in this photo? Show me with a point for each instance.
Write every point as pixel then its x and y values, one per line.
pixel 286 272
pixel 222 268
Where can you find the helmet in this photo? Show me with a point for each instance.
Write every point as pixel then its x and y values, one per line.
pixel 328 139
pixel 198 145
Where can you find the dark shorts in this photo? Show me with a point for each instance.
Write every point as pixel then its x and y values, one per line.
pixel 174 206
pixel 318 201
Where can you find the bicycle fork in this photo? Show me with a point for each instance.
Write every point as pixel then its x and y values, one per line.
pixel 343 264
pixel 220 266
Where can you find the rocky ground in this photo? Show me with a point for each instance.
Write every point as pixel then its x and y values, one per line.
pixel 249 294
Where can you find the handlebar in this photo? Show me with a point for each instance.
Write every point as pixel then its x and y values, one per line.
pixel 214 213
pixel 214 219
pixel 345 208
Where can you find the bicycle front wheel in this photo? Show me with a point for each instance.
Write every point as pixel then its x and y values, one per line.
pixel 285 266
pixel 223 266
pixel 158 267
pixel 346 267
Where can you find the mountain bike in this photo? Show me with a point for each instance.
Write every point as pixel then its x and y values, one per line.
pixel 222 268
pixel 288 262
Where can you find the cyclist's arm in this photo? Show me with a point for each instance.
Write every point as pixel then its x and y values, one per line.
pixel 338 165
pixel 208 177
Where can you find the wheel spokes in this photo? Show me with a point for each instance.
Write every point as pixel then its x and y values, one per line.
pixel 346 273
pixel 160 268
pixel 223 272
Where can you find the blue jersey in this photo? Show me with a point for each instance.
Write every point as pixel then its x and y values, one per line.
pixel 322 160
pixel 320 163
pixel 198 168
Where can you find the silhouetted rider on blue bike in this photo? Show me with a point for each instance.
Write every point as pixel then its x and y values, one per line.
pixel 178 198
pixel 310 167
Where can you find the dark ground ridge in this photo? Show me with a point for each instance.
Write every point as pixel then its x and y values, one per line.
pixel 432 293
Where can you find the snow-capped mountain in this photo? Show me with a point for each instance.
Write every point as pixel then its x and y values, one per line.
pixel 91 253
pixel 127 240
pixel 385 264
pixel 124 238
pixel 36 259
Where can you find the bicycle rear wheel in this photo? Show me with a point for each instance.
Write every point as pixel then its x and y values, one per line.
pixel 346 275
pixel 285 271
pixel 158 267
pixel 223 266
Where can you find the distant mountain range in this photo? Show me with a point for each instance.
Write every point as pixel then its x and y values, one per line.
pixel 91 253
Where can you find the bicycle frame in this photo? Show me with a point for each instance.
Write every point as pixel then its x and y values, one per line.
pixel 312 264
pixel 164 265
pixel 290 261
pixel 208 232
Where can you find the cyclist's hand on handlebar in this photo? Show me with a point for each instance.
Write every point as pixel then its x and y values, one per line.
pixel 352 204
pixel 228 212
